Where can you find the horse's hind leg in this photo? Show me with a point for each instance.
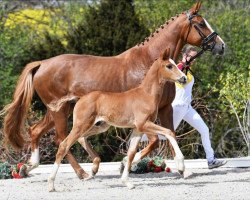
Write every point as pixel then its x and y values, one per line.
pixel 61 121
pixel 166 118
pixel 93 154
pixel 36 132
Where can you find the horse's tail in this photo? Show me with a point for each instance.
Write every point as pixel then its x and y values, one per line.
pixel 15 112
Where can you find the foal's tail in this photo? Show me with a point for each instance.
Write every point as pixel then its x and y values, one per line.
pixel 15 112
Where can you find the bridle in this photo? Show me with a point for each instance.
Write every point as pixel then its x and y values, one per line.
pixel 208 42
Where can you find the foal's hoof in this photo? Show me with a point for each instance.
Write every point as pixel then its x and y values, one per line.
pixel 82 175
pixel 187 174
pixel 52 190
pixel 51 187
pixel 93 173
pixel 130 186
pixel 181 172
pixel 88 178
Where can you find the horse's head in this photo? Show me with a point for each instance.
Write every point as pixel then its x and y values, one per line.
pixel 169 70
pixel 199 33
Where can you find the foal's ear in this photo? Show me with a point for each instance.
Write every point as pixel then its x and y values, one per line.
pixel 165 55
pixel 196 7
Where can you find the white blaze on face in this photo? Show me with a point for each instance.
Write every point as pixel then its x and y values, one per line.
pixel 181 73
pixel 210 28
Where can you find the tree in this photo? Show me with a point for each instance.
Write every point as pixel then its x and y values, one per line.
pixel 109 28
pixel 235 92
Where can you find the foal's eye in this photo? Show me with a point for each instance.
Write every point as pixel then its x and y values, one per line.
pixel 169 66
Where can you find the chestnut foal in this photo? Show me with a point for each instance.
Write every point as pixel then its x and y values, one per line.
pixel 136 108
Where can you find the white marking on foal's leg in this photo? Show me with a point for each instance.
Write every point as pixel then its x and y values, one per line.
pixel 135 139
pixel 52 177
pixel 136 160
pixel 124 177
pixel 179 158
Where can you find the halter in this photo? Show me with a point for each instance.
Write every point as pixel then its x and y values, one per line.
pixel 208 42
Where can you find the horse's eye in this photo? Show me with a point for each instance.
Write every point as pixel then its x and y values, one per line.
pixel 202 24
pixel 169 66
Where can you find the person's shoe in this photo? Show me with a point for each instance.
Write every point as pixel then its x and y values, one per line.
pixel 216 163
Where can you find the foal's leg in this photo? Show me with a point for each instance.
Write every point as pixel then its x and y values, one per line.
pixel 63 149
pixel 166 118
pixel 153 144
pixel 82 123
pixel 36 132
pixel 134 141
pixel 60 119
pixel 152 128
pixel 93 154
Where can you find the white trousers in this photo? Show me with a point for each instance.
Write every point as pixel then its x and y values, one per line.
pixel 188 114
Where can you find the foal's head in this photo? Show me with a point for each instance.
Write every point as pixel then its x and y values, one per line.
pixel 169 70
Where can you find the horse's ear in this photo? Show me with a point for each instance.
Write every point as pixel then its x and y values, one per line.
pixel 165 55
pixel 196 7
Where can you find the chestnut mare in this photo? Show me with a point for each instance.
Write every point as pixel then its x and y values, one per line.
pixel 78 75
pixel 136 108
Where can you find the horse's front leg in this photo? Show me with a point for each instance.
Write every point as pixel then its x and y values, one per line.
pixel 134 141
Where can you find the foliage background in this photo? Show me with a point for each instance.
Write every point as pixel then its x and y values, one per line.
pixel 38 30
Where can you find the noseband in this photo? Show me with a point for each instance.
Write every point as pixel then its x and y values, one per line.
pixel 208 42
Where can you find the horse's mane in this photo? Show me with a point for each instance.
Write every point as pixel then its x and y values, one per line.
pixel 157 30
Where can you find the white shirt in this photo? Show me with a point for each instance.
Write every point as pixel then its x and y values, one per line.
pixel 183 94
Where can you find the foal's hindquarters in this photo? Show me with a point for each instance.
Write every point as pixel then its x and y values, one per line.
pixel 136 109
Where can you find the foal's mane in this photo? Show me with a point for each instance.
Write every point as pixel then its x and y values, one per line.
pixel 157 30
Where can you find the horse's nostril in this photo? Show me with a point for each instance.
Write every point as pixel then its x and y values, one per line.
pixel 223 46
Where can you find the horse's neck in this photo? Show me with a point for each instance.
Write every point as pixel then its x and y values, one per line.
pixel 169 36
pixel 153 83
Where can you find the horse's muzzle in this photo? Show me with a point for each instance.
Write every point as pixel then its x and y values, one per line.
pixel 219 49
pixel 183 80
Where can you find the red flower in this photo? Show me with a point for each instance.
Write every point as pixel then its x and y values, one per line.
pixel 168 169
pixel 19 165
pixel 151 163
pixel 15 175
pixel 158 169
